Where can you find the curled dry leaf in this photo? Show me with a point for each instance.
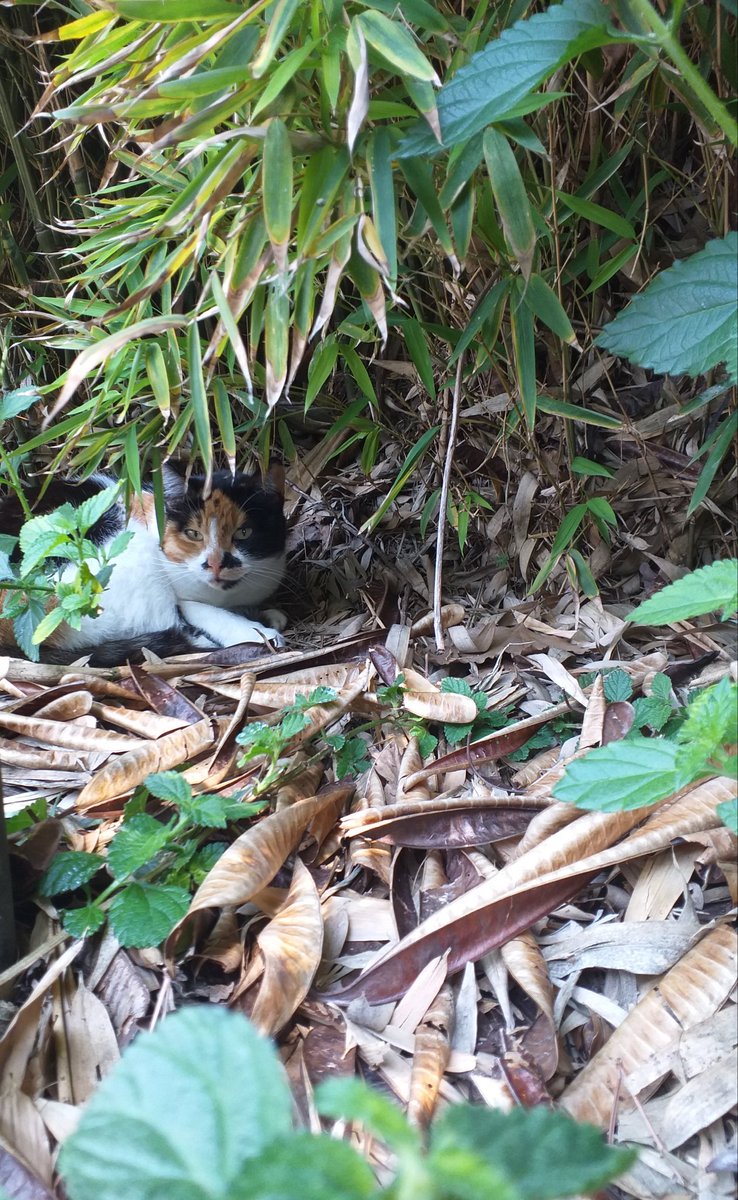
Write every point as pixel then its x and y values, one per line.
pixel 448 707
pixel 125 772
pixel 253 860
pixel 70 737
pixel 443 824
pixel 430 1058
pixel 523 959
pixel 451 614
pixel 66 708
pixel 689 993
pixel 292 944
pixel 143 724
pixel 594 715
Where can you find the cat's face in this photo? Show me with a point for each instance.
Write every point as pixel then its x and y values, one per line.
pixel 236 533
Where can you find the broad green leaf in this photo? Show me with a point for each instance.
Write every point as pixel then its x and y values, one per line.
pixel 181 1114
pixel 617 685
pixel 317 1165
pixel 511 199
pixel 231 327
pixel 585 466
pixel 417 345
pixel 396 46
pixel 277 189
pixel 224 421
pixel 324 174
pixel 94 507
pixel 650 711
pixel 419 175
pixel 288 67
pixel 686 320
pixel 137 841
pixel 544 303
pixel 37 542
pixel 486 309
pixel 68 870
pixel 623 775
pixel 156 369
pixel 51 621
pixel 712 719
pixel 562 1157
pixel 496 78
pixel 583 574
pixel 321 366
pixel 81 922
pixel 169 786
pixel 18 401
pixel 379 163
pixel 144 914
pixel 709 589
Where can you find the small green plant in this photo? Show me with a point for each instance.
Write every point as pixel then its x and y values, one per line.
pixel 203 1104
pixel 700 739
pixel 152 864
pixel 52 544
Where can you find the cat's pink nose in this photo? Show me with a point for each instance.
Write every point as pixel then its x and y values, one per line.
pixel 215 562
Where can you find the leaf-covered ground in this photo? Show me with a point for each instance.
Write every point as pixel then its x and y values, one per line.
pixel 426 915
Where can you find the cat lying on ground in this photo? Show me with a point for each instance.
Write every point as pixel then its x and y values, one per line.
pixel 219 554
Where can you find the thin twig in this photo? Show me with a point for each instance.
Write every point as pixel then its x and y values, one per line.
pixel 441 533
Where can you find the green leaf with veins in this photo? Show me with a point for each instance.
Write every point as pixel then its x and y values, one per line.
pixel 617 686
pixel 623 775
pixel 709 589
pixel 169 786
pixel 81 922
pixel 68 871
pixel 143 914
pixel 652 712
pixel 135 844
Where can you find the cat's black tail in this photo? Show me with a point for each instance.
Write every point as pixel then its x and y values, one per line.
pixel 116 652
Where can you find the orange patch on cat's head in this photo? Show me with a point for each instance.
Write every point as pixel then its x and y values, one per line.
pixel 218 510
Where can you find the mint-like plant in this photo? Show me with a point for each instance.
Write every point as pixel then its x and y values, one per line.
pixel 52 544
pixel 640 770
pixel 151 865
pixel 200 1109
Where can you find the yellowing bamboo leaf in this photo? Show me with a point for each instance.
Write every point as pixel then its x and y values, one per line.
pixel 359 107
pixel 94 356
pixel 394 43
pixel 292 944
pixel 511 198
pixel 276 344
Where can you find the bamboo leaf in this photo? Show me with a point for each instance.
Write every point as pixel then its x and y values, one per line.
pixel 199 400
pixel 511 198
pixel 396 46
pixel 277 190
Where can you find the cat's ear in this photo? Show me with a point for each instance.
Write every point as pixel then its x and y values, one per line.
pixel 274 480
pixel 174 478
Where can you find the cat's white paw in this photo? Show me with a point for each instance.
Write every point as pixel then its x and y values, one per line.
pixel 276 618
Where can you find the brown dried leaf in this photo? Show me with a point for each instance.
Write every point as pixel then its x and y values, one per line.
pixel 71 737
pixel 430 1058
pixel 125 772
pixel 18 1181
pixel 443 824
pixel 447 707
pixel 253 860
pixel 689 993
pixel 292 944
pixel 143 724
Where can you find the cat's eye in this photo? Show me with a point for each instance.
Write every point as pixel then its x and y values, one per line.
pixel 242 533
pixel 194 535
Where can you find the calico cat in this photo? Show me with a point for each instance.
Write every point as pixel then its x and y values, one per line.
pixel 220 553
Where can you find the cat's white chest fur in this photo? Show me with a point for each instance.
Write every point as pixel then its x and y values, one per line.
pixel 147 593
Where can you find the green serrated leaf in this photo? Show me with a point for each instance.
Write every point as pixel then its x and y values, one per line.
pixel 169 786
pixel 498 77
pixel 135 844
pixel 455 734
pixel 81 922
pixel 712 718
pixel 458 687
pixel 94 507
pixel 143 914
pixel 209 811
pixel 322 1168
pixel 686 320
pixel 353 1100
pixel 652 712
pixel 199 1098
pixel 617 686
pixel 622 776
pixel 69 870
pixel 705 590
pixel 562 1157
